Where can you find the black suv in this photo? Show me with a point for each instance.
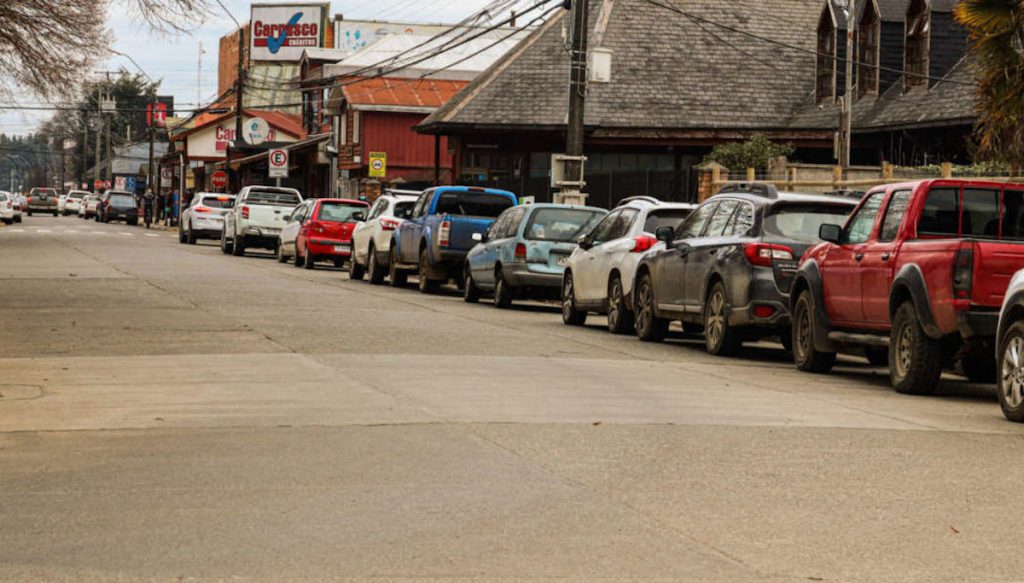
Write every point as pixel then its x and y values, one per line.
pixel 118 205
pixel 728 268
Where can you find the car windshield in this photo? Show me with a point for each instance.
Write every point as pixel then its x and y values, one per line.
pixel 218 202
pixel 665 218
pixel 273 197
pixel 472 204
pixel 403 210
pixel 801 222
pixel 561 225
pixel 339 212
pixel 122 200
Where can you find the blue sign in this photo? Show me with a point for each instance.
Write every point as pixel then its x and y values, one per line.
pixel 129 183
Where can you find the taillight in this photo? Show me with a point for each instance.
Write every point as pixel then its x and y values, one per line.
pixel 643 243
pixel 520 251
pixel 444 233
pixel 388 224
pixel 203 209
pixel 764 254
pixel 963 273
pixel 245 212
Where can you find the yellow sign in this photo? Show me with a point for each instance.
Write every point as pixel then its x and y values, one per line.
pixel 378 164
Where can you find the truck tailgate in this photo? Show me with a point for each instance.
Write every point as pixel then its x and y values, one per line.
pixel 995 262
pixel 462 229
pixel 266 216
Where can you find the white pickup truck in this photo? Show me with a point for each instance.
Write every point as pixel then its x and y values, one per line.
pixel 257 218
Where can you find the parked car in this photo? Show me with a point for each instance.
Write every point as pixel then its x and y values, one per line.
pixel 257 218
pixel 14 200
pixel 600 274
pixel 42 200
pixel 203 218
pixel 72 202
pixel 6 207
pixel 1010 351
pixel 320 229
pixel 524 253
pixel 917 273
pixel 89 206
pixel 371 240
pixel 727 270
pixel 434 241
pixel 118 205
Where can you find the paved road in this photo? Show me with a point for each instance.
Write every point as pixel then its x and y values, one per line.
pixel 169 412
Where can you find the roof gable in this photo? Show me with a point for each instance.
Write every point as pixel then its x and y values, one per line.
pixel 388 92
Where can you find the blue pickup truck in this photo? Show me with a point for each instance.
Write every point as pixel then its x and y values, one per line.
pixel 434 241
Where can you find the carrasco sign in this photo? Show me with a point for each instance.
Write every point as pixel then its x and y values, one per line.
pixel 281 32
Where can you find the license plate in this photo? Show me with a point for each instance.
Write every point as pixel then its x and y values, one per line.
pixel 342 248
pixel 563 261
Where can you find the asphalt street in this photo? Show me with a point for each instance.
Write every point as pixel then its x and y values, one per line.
pixel 168 412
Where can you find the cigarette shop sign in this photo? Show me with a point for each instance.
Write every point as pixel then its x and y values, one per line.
pixel 281 32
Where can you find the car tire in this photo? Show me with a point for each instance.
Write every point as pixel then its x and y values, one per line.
pixel 55 214
pixel 503 292
pixel 720 339
pixel 979 368
pixel 8 221
pixel 426 285
pixel 1010 384
pixel 570 315
pixel 470 293
pixel 308 261
pixel 915 360
pixel 396 276
pixel 355 271
pixel 377 271
pixel 225 245
pixel 296 259
pixel 806 357
pixel 238 249
pixel 279 254
pixel 649 327
pixel 620 318
pixel 877 356
pixel 181 235
pixel 191 238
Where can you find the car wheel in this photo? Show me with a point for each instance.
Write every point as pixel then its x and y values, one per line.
pixel 620 318
pixel 279 253
pixel 355 271
pixel 238 250
pixel 915 360
pixel 426 285
pixel 396 277
pixel 225 246
pixel 296 259
pixel 649 327
pixel 308 261
pixel 1011 373
pixel 806 357
pixel 377 271
pixel 570 315
pixel 503 292
pixel 720 338
pixel 8 221
pixel 181 235
pixel 470 293
pixel 191 234
pixel 877 356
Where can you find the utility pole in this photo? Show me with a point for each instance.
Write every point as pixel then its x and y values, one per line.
pixel 239 89
pixel 847 118
pixel 108 127
pixel 99 136
pixel 199 77
pixel 577 101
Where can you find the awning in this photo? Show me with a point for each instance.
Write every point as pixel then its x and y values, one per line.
pixel 299 145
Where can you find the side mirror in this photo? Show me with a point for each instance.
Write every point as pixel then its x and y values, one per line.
pixel 359 217
pixel 830 233
pixel 288 218
pixel 584 242
pixel 478 237
pixel 665 234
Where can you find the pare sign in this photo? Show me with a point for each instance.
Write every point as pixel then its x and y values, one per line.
pixel 281 32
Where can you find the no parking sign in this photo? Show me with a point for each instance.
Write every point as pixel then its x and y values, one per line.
pixel 277 162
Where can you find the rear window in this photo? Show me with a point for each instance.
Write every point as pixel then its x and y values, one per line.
pixel 561 225
pixel 273 197
pixel 337 212
pixel 665 218
pixel 403 210
pixel 218 202
pixel 472 204
pixel 43 192
pixel 122 200
pixel 801 222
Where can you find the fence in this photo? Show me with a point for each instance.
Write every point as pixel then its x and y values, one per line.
pixel 607 189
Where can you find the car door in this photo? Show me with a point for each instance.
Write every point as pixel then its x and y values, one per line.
pixel 364 231
pixel 584 274
pixel 605 254
pixel 702 255
pixel 484 255
pixel 877 269
pixel 411 230
pixel 841 273
pixel 290 231
pixel 670 267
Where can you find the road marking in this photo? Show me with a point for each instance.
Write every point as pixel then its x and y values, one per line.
pixel 43 230
pixel 151 235
pixel 126 234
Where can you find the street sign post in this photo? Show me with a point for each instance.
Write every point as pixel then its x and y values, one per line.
pixel 120 183
pixel 378 164
pixel 219 179
pixel 277 163
pixel 166 177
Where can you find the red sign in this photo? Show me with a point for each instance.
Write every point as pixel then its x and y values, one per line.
pixel 97 184
pixel 160 116
pixel 219 179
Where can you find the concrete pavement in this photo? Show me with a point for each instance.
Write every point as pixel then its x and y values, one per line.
pixel 171 412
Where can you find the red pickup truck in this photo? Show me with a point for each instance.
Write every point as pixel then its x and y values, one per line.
pixel 916 277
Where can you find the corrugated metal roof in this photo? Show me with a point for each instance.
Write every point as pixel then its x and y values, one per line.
pixel 416 93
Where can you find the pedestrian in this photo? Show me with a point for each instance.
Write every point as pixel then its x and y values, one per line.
pixel 161 204
pixel 175 207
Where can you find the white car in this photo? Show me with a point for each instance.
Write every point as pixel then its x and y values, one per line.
pixel 257 218
pixel 7 204
pixel 72 202
pixel 90 203
pixel 204 217
pixel 600 273
pixel 371 241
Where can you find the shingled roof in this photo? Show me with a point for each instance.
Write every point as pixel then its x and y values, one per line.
pixel 668 71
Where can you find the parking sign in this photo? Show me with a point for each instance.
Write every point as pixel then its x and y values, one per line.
pixel 277 163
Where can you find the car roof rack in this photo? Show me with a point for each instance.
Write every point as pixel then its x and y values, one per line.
pixel 640 198
pixel 756 188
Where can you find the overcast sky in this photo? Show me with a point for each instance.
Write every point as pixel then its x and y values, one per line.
pixel 175 59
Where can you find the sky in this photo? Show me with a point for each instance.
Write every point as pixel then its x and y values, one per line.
pixel 175 59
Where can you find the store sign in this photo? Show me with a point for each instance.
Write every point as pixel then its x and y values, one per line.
pixel 226 135
pixel 255 131
pixel 156 115
pixel 282 32
pixel 378 164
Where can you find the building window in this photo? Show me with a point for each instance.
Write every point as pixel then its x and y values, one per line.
pixel 868 51
pixel 915 53
pixel 356 119
pixel 825 78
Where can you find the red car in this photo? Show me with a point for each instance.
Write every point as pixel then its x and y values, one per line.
pixel 320 229
pixel 915 277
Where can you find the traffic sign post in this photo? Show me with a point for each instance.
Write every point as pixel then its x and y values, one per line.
pixel 277 164
pixel 378 164
pixel 219 179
